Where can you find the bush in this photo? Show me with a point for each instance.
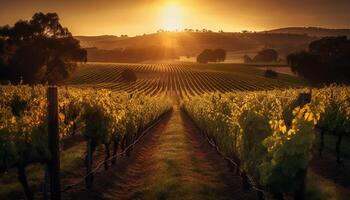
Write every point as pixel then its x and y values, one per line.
pixel 208 55
pixel 266 55
pixel 247 59
pixel 129 75
pixel 271 74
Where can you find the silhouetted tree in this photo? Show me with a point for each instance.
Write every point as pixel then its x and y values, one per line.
pixel 266 55
pixel 270 74
pixel 129 75
pixel 219 55
pixel 40 50
pixel 247 59
pixel 205 56
pixel 327 61
pixel 208 55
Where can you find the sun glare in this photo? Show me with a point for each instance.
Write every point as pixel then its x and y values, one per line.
pixel 171 17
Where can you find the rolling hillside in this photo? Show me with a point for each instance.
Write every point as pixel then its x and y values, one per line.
pixel 312 31
pixel 191 43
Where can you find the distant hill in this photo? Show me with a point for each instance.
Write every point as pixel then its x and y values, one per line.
pixel 312 31
pixel 191 43
pixel 101 41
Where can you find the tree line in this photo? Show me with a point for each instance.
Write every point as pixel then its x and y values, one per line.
pixel 131 54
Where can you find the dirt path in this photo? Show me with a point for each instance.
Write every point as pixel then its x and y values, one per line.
pixel 173 162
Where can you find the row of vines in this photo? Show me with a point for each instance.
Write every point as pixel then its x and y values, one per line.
pixel 271 135
pixel 182 80
pixel 102 117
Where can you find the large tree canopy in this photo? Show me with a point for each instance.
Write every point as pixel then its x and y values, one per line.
pixel 263 56
pixel 208 55
pixel 38 51
pixel 327 61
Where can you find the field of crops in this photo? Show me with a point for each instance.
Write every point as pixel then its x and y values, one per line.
pixel 100 116
pixel 182 80
pixel 271 135
pixel 259 124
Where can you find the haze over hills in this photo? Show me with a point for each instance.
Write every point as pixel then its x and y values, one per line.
pixel 190 43
pixel 312 31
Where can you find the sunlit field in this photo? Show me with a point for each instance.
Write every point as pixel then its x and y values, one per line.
pixel 181 80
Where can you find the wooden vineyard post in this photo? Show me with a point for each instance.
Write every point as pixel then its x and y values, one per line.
pixel 89 156
pixel 53 141
pixel 46 184
pixel 304 98
pixel 321 142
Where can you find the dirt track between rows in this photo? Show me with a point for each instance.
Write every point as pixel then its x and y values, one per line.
pixel 173 161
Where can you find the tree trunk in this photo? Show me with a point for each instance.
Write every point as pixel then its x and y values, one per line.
pixel 107 156
pixel 115 150
pixel 74 128
pixel 123 144
pixel 337 147
pixel 89 162
pixel 22 177
pixel 245 181
pixel 299 193
pixel 278 196
pixel 259 194
pixel 128 142
pixel 238 162
pixel 131 140
pixel 46 185
pixel 321 142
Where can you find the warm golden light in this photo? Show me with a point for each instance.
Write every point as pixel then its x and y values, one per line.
pixel 171 17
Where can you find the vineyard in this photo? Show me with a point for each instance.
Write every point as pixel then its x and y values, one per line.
pixel 270 135
pixel 101 117
pixel 265 133
pixel 182 80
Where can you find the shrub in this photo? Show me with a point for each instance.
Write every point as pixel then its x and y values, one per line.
pixel 129 75
pixel 271 74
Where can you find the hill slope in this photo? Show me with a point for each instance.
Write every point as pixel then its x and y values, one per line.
pixel 191 43
pixel 312 31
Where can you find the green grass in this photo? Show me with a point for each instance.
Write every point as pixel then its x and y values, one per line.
pixel 320 188
pixel 330 141
pixel 323 187
pixel 180 169
pixel 11 188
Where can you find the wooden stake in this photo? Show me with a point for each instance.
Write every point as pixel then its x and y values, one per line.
pixel 53 137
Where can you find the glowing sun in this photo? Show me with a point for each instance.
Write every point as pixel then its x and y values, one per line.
pixel 171 17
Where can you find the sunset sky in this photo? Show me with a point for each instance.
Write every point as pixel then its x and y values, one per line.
pixel 133 17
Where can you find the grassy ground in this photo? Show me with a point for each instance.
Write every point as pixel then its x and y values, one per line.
pixel 181 168
pixel 327 179
pixel 173 162
pixel 10 188
pixel 322 188
pixel 330 141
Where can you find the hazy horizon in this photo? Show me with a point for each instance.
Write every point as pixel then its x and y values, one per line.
pixel 107 17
